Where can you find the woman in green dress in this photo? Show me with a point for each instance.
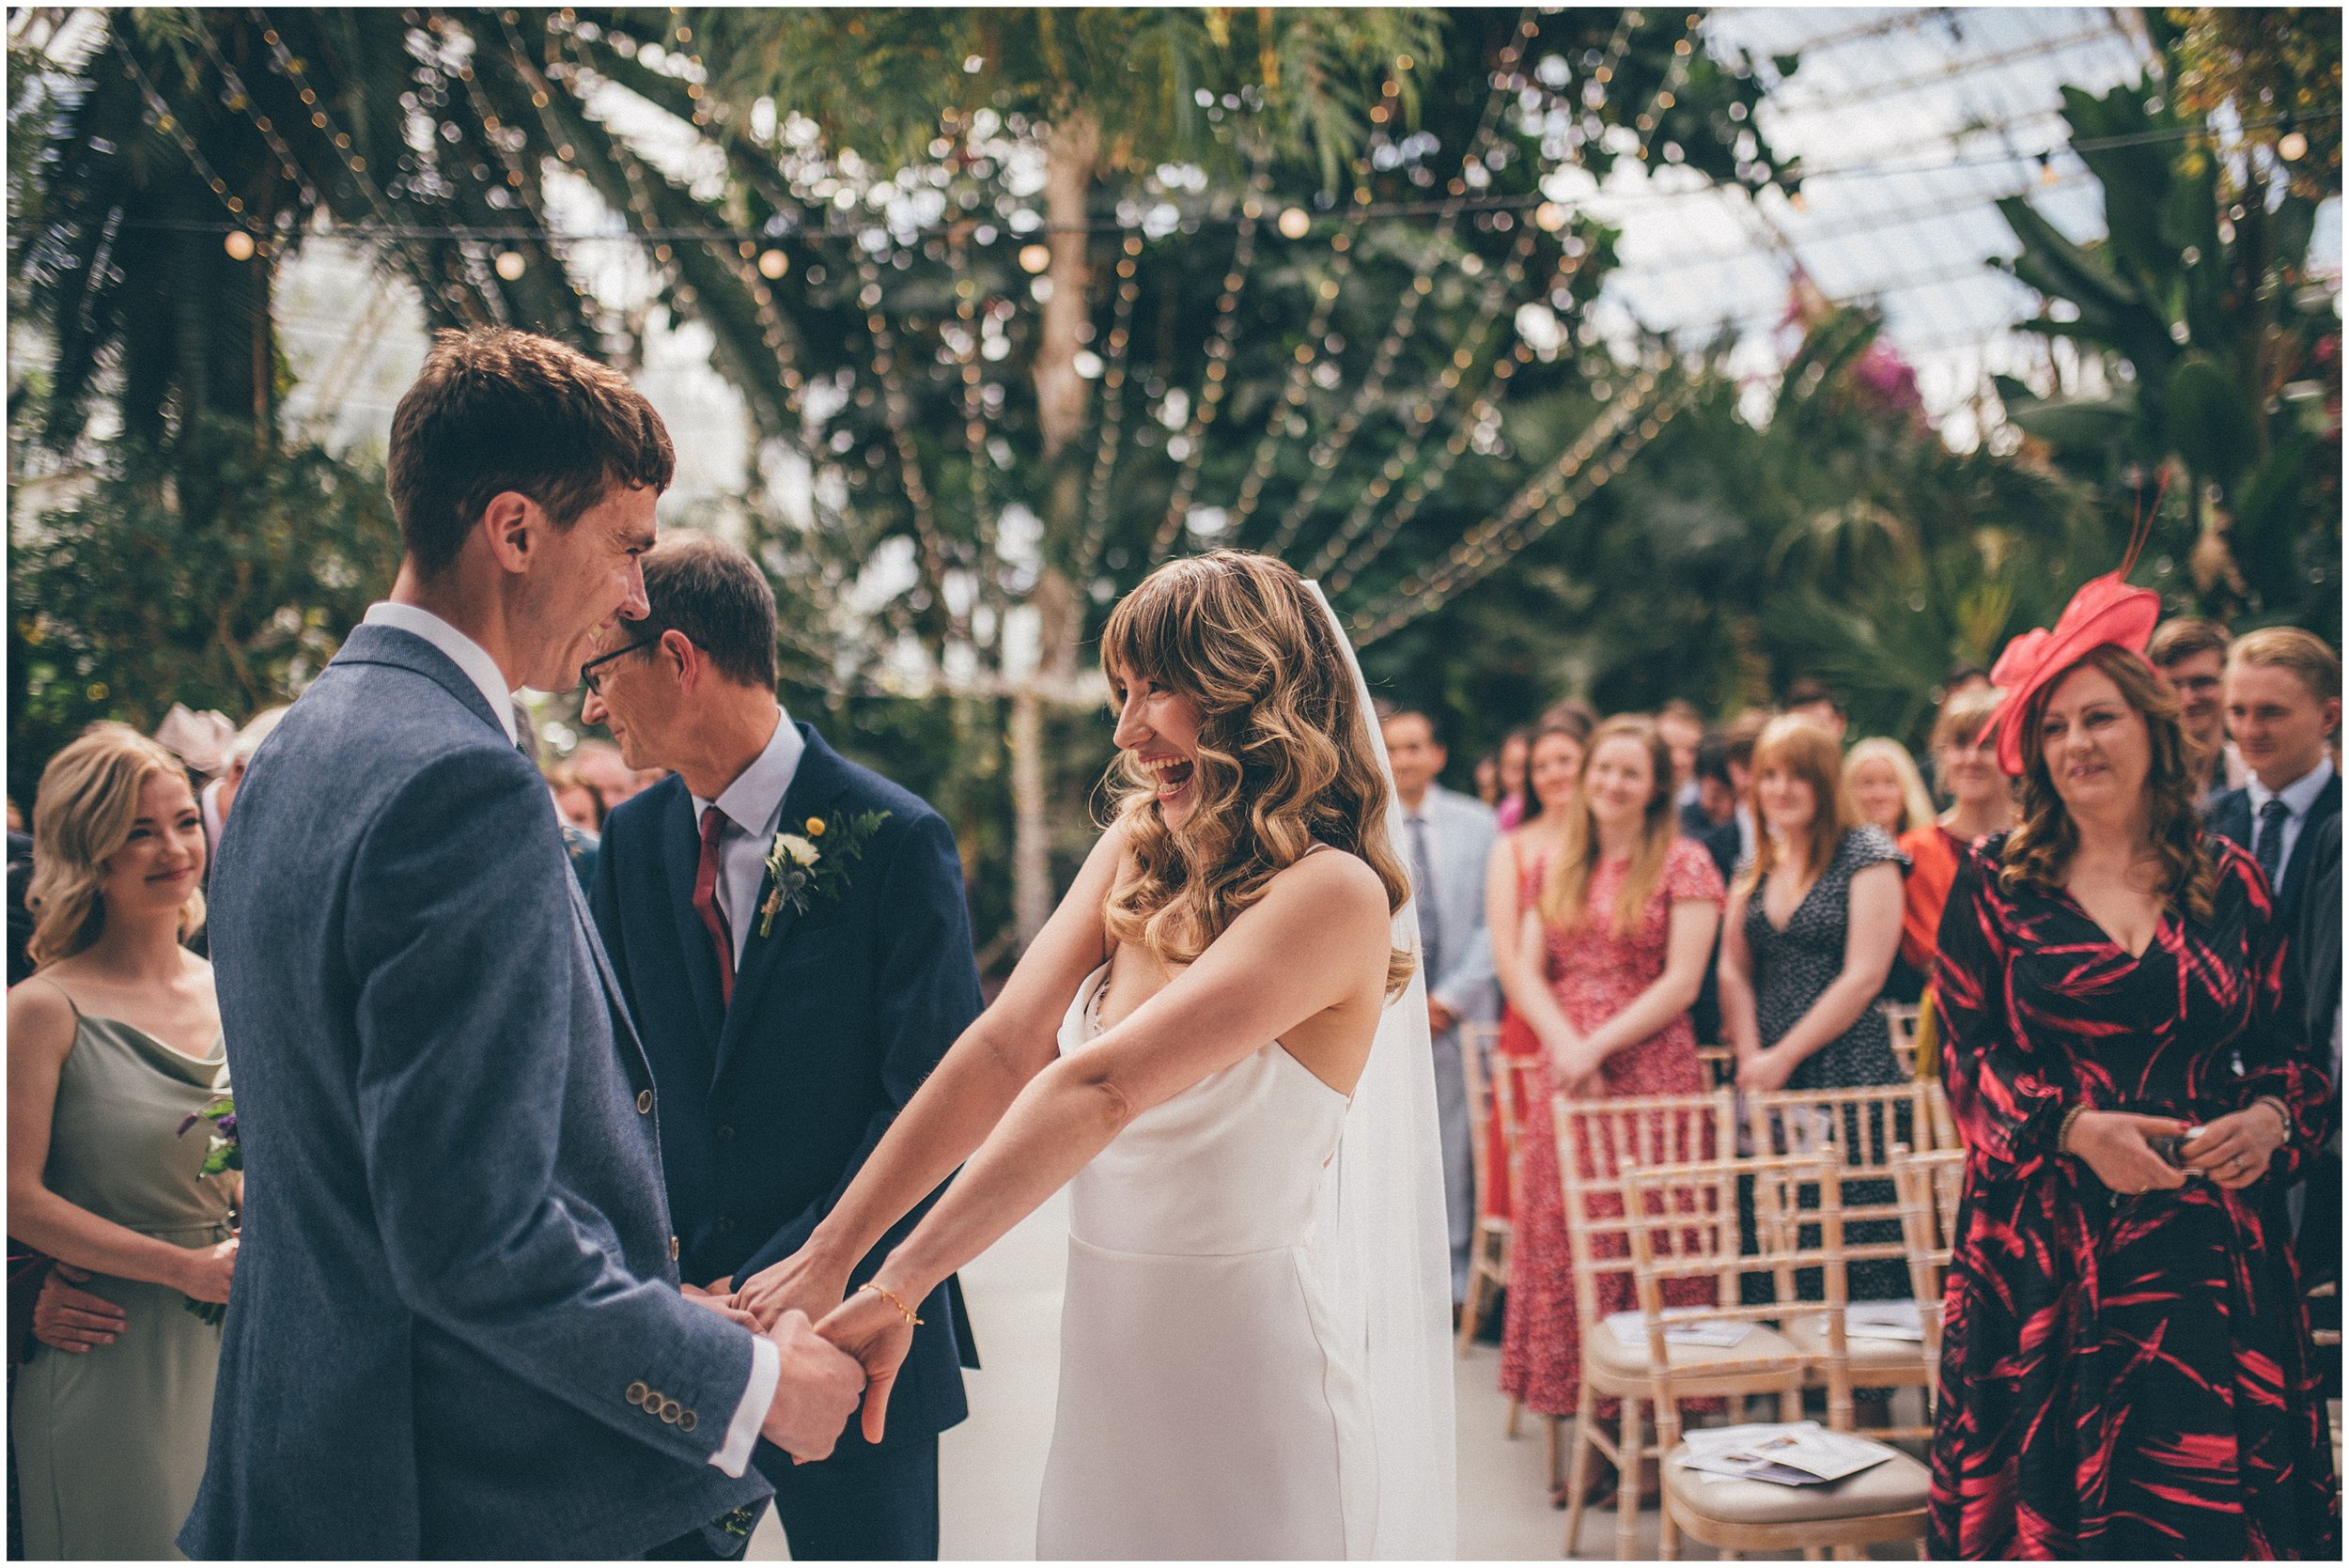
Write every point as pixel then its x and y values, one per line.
pixel 112 1044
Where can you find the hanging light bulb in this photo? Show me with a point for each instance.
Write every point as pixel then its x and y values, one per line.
pixel 1035 257
pixel 1294 223
pixel 238 244
pixel 2292 146
pixel 772 265
pixel 1551 216
pixel 511 265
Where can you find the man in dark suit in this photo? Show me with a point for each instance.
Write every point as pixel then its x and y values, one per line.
pixel 2283 703
pixel 2317 949
pixel 786 1029
pixel 456 1328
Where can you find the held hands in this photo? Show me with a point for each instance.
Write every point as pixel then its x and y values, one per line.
pixel 2114 1144
pixel 1763 1071
pixel 2234 1150
pixel 72 1320
pixel 204 1271
pixel 1573 1066
pixel 719 1301
pixel 816 1394
pixel 802 1282
pixel 868 1328
pixel 1440 1018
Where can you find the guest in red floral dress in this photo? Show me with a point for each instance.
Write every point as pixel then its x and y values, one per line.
pixel 1622 934
pixel 1512 880
pixel 2127 1370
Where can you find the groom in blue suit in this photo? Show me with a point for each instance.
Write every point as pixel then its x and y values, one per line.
pixel 456 1327
pixel 785 1028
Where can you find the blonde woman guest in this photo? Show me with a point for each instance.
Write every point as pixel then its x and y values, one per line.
pixel 113 1043
pixel 1513 879
pixel 1609 961
pixel 1886 788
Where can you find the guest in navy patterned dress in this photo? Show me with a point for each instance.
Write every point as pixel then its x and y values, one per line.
pixel 2127 1370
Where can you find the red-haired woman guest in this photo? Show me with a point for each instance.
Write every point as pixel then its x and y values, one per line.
pixel 2126 1369
pixel 1612 954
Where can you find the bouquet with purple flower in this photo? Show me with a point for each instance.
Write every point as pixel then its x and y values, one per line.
pixel 223 1152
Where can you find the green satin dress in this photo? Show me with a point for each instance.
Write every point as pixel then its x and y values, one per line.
pixel 110 1445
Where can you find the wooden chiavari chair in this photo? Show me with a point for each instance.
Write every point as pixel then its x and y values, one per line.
pixel 1688 1230
pixel 1594 1138
pixel 1930 1184
pixel 1902 1017
pixel 1861 1127
pixel 1939 1117
pixel 1481 1064
pixel 1720 1065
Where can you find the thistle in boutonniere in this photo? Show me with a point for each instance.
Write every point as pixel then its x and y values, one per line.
pixel 813 864
pixel 222 1153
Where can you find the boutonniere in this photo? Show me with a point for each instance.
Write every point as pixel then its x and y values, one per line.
pixel 813 864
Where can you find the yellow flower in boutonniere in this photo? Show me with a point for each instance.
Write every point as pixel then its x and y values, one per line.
pixel 816 826
pixel 798 872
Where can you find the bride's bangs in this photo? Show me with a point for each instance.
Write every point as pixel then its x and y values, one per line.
pixel 1145 635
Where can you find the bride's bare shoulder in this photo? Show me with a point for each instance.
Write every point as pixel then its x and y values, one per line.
pixel 1333 881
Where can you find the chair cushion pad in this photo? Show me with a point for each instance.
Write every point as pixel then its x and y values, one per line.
pixel 1896 1486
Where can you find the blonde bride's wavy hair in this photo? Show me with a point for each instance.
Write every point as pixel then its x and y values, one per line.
pixel 1285 756
pixel 88 799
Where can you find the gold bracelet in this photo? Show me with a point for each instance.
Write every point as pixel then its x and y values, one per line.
pixel 2282 1114
pixel 891 1296
pixel 2063 1129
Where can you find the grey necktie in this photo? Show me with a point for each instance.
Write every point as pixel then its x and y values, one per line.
pixel 1423 893
pixel 2267 841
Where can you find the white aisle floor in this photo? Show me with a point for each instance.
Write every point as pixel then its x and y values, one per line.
pixel 991 1467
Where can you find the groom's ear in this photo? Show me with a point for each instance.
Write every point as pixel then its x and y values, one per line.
pixel 514 528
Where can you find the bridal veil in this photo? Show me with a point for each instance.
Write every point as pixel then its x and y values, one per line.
pixel 1380 1243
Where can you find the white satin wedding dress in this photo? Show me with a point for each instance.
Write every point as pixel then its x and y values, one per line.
pixel 1210 1405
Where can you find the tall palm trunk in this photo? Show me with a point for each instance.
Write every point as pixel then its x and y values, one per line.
pixel 1073 151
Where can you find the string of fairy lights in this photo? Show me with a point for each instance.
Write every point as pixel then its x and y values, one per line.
pixel 1215 378
pixel 756 260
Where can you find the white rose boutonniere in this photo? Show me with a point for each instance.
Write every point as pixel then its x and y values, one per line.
pixel 812 863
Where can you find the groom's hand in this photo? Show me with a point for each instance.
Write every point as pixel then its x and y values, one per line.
pixel 803 1282
pixel 815 1396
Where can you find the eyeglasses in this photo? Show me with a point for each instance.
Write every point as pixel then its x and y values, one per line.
pixel 587 671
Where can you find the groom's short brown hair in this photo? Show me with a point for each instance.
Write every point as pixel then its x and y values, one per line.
pixel 498 410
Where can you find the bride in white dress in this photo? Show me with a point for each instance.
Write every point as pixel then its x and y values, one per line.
pixel 1221 1041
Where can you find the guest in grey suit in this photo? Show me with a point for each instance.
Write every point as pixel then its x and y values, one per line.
pixel 457 1329
pixel 1447 837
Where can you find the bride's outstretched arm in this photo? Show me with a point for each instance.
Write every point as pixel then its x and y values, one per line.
pixel 956 1105
pixel 1317 940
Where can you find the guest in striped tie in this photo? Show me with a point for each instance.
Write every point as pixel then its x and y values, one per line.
pixel 1448 838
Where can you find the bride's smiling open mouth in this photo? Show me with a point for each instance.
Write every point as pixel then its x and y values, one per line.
pixel 1173 773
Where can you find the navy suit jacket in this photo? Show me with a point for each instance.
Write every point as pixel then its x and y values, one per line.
pixel 771 1104
pixel 2229 815
pixel 456 1328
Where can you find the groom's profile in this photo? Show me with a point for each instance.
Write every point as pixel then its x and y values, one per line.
pixel 456 1328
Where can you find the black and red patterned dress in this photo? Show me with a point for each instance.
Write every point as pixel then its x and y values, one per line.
pixel 2121 1376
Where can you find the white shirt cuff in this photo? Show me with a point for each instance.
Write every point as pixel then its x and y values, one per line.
pixel 734 1454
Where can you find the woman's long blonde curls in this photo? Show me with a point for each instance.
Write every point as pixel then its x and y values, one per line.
pixel 1284 756
pixel 88 799
pixel 1566 886
pixel 2039 850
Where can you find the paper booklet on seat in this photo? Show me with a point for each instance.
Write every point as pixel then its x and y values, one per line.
pixel 1630 1331
pixel 1796 1453
pixel 1884 1320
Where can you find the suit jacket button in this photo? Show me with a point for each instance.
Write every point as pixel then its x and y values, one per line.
pixel 637 1393
pixel 670 1412
pixel 644 1102
pixel 725 1132
pixel 652 1400
pixel 673 1249
pixel 686 1422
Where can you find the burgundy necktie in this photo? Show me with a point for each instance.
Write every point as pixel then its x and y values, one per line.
pixel 706 900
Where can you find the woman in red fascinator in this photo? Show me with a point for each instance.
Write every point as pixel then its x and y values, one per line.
pixel 2127 1370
